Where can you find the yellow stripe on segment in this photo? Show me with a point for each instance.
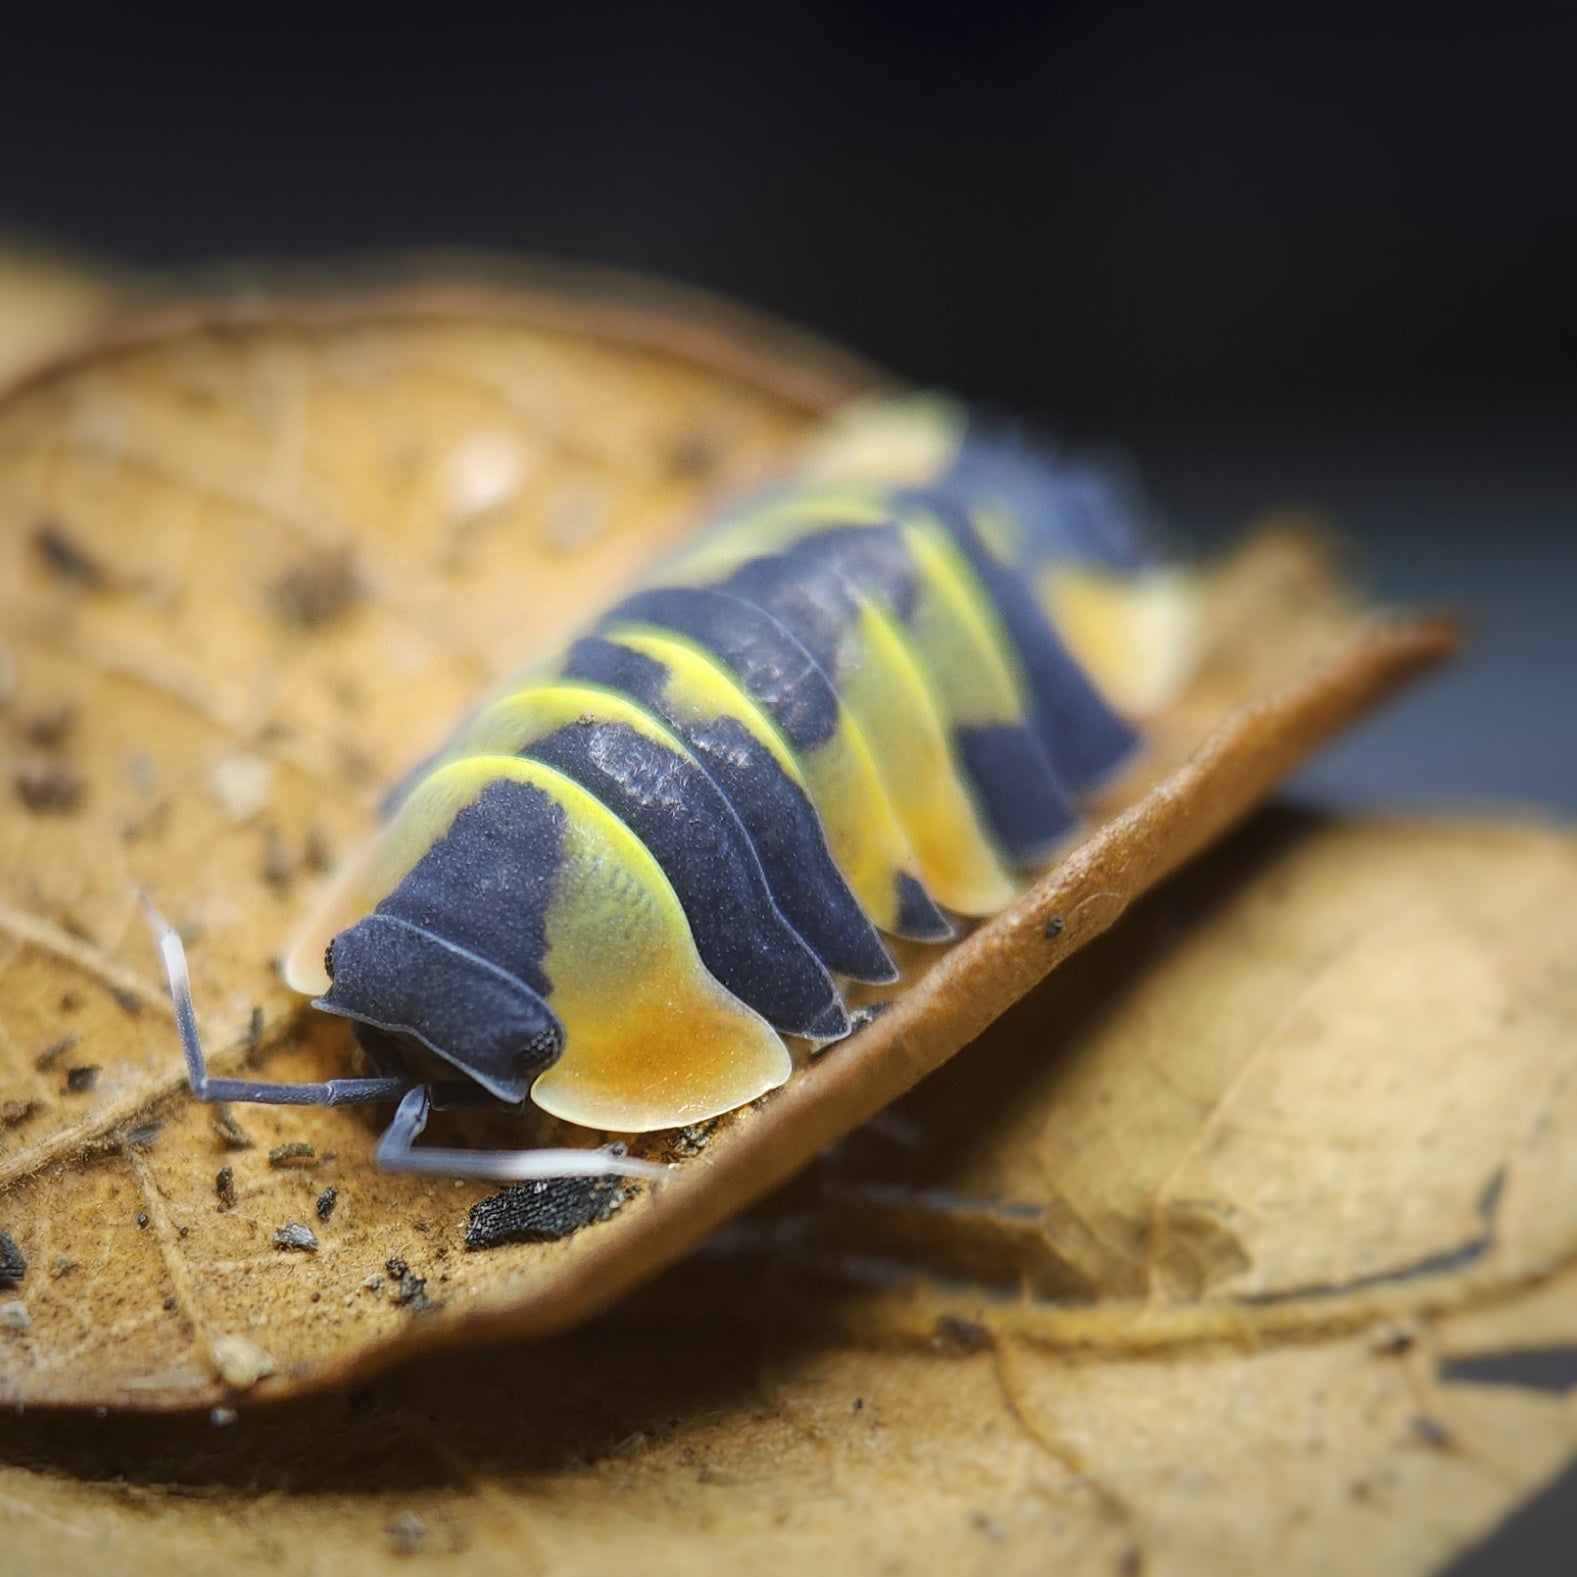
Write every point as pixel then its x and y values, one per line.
pixel 1135 634
pixel 532 713
pixel 970 661
pixel 772 524
pixel 891 703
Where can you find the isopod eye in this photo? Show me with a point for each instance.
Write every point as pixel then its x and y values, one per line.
pixel 328 960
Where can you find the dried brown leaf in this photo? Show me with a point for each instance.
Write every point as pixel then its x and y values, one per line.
pixel 1239 1155
pixel 447 478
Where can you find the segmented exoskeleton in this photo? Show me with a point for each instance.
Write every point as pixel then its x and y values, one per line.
pixel 865 703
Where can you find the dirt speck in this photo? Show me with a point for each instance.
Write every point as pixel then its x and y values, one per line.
pixel 230 1133
pixel 407 1533
pixel 240 1362
pixel 49 730
pixel 241 786
pixel 279 865
pixel 543 1210
pixel 68 561
pixel 13 1263
pixel 408 1289
pixel 54 1051
pixel 317 590
pixel 50 789
pixel 294 1236
pixel 695 454
pixel 1430 1431
pixel 317 853
pixel 954 1334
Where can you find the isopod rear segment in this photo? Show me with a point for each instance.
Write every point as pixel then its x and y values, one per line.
pixel 845 712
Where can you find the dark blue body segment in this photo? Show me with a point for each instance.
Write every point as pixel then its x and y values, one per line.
pixel 690 829
pixel 776 671
pixel 1012 774
pixel 1067 509
pixel 453 956
pixel 807 593
pixel 1084 738
pixel 875 558
pixel 772 665
pixel 772 807
pixel 1023 800
pixel 917 912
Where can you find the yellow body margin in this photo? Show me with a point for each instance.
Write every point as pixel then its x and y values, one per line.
pixel 892 705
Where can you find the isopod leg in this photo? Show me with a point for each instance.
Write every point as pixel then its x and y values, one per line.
pixel 330 1092
pixel 396 1151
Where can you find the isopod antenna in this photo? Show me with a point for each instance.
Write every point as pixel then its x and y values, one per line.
pixel 330 1092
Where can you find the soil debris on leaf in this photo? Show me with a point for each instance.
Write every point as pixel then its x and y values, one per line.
pixel 278 867
pixel 54 1051
pixel 242 786
pixel 66 559
pixel 407 1534
pixel 407 1289
pixel 317 590
pixel 13 1263
pixel 50 789
pixel 543 1210
pixel 293 1235
pixel 240 1362
pixel 229 1132
pixel 49 730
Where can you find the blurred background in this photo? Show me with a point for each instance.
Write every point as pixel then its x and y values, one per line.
pixel 1321 257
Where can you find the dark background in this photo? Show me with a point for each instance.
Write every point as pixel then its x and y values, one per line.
pixel 1324 256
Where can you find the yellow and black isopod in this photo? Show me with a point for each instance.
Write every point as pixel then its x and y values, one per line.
pixel 866 702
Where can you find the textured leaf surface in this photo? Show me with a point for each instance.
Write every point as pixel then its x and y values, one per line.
pixel 252 565
pixel 1207 1257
